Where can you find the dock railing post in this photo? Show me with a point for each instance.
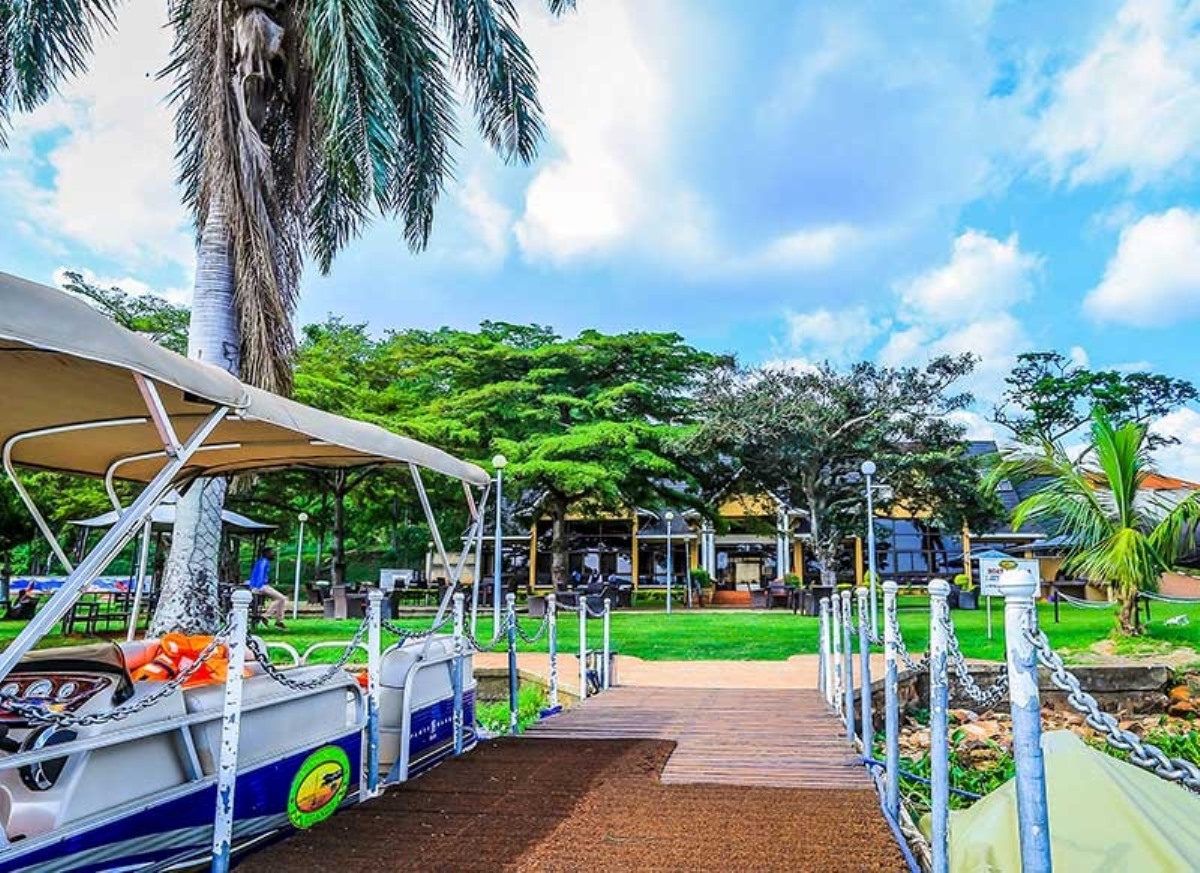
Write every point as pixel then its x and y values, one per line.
pixel 607 653
pixel 510 613
pixel 456 675
pixel 867 726
pixel 552 645
pixel 848 665
pixel 835 613
pixel 823 648
pixel 939 741
pixel 231 723
pixel 1033 820
pixel 891 691
pixel 582 648
pixel 374 664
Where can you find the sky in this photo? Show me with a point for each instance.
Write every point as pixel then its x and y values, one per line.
pixel 788 181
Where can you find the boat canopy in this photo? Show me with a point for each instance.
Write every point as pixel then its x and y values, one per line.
pixel 74 400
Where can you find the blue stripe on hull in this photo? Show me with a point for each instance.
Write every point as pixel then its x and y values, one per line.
pixel 181 829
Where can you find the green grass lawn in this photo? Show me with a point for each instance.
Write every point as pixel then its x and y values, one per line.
pixel 702 634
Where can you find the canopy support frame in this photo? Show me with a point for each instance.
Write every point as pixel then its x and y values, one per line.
pixel 110 544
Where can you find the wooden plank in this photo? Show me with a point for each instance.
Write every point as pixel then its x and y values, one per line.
pixel 724 735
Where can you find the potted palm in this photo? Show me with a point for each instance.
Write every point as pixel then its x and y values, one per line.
pixel 968 594
pixel 1122 535
pixel 704 582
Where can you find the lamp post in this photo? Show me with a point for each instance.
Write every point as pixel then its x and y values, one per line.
pixel 499 462
pixel 302 517
pixel 669 517
pixel 868 470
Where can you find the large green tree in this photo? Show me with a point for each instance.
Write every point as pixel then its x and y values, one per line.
pixel 804 434
pixel 1049 398
pixel 589 423
pixel 297 121
pixel 1119 534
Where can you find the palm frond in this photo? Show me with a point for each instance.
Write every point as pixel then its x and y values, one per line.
pixel 42 42
pixel 493 60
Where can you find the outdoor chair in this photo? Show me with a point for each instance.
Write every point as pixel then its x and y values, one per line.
pixel 778 594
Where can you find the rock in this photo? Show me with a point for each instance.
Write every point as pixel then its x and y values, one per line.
pixel 1181 708
pixel 1179 693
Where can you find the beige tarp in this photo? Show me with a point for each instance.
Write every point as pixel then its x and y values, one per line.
pixel 1104 815
pixel 63 363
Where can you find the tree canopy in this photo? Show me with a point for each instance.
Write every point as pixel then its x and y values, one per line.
pixel 803 435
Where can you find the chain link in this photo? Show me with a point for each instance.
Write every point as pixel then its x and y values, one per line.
pixel 493 643
pixel 317 681
pixel 38 713
pixel 902 650
pixel 406 634
pixel 986 698
pixel 1145 755
pixel 536 635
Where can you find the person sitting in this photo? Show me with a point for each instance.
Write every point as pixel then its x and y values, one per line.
pixel 23 608
pixel 258 585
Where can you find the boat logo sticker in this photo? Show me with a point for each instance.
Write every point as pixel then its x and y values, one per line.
pixel 319 786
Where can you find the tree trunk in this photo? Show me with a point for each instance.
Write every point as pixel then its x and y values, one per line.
pixel 339 527
pixel 1127 616
pixel 825 550
pixel 188 602
pixel 560 559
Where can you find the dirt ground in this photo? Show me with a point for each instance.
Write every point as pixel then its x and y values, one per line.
pixel 592 805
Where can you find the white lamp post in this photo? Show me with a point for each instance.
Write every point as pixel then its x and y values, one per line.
pixel 669 517
pixel 868 470
pixel 499 462
pixel 302 517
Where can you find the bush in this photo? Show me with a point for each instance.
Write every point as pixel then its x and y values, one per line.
pixel 493 715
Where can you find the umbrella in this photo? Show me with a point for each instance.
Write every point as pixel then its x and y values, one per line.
pixel 163 518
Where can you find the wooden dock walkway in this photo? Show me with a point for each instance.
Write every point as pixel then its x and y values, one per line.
pixel 771 738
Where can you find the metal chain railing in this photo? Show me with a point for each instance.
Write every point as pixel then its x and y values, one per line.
pixel 536 635
pixel 493 643
pixel 39 714
pixel 317 681
pixel 985 697
pixel 902 650
pixel 1143 754
pixel 405 634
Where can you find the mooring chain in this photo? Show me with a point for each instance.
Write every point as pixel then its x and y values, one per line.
pixel 317 681
pixel 985 697
pixel 902 650
pixel 406 634
pixel 1145 755
pixel 38 713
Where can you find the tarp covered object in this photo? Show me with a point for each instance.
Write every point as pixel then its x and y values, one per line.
pixel 1105 814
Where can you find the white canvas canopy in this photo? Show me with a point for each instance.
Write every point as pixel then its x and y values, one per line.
pixel 163 518
pixel 81 394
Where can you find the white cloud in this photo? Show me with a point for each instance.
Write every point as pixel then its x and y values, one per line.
pixel 490 220
pixel 128 284
pixel 984 275
pixel 805 249
pixel 109 183
pixel 836 335
pixel 1131 105
pixel 1182 460
pixel 1153 279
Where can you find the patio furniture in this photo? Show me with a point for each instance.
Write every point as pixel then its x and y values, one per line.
pixel 779 594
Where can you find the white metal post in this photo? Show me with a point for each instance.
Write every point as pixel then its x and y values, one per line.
pixel 499 463
pixel 670 517
pixel 374 665
pixel 823 649
pixel 867 727
pixel 552 644
pixel 848 665
pixel 303 517
pixel 939 740
pixel 607 647
pixel 1033 819
pixel 513 703
pixel 457 673
pixel 231 722
pixel 143 560
pixel 835 614
pixel 583 689
pixel 891 686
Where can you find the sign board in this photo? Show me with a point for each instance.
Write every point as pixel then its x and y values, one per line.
pixel 391 579
pixel 991 568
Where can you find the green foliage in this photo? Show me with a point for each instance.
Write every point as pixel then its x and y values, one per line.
pixel 154 317
pixel 964 581
pixel 493 716
pixel 701 577
pixel 1049 397
pixel 1120 535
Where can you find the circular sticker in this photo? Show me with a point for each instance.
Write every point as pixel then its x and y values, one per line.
pixel 319 786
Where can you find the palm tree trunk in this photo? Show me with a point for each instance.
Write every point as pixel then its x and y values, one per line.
pixel 188 602
pixel 1126 616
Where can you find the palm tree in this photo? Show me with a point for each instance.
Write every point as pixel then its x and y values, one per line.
pixel 297 122
pixel 1120 533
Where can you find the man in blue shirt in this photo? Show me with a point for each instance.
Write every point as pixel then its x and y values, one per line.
pixel 259 575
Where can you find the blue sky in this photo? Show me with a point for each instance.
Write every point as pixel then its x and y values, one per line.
pixel 789 181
